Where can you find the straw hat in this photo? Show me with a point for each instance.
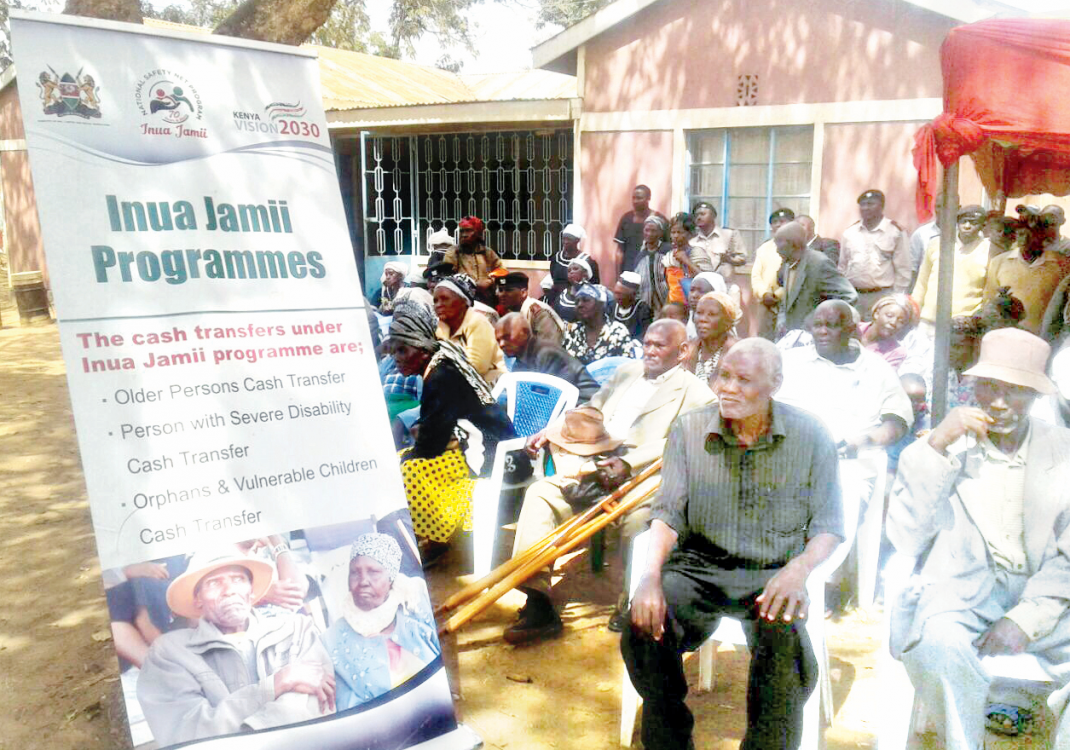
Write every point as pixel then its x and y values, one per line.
pixel 180 592
pixel 582 432
pixel 1014 356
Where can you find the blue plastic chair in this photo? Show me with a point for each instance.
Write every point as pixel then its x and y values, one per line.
pixel 533 401
pixel 602 369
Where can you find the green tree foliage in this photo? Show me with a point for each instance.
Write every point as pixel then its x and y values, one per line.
pixel 561 13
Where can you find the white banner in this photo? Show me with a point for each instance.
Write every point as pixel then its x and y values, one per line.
pixel 229 412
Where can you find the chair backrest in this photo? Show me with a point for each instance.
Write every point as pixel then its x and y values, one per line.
pixel 602 369
pixel 533 399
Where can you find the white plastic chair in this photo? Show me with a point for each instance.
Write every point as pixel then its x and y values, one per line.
pixel 486 495
pixel 902 715
pixel 730 630
pixel 871 524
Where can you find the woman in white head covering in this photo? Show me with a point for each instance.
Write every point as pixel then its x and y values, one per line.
pixel 393 275
pixel 385 633
pixel 579 273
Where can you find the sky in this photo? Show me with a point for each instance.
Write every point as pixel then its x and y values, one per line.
pixel 505 32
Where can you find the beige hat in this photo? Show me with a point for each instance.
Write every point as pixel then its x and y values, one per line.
pixel 1014 356
pixel 583 432
pixel 180 592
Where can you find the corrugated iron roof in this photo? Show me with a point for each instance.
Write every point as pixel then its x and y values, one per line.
pixel 354 80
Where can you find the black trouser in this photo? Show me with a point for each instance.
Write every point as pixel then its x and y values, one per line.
pixel 783 670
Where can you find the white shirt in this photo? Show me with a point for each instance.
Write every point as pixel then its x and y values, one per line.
pixel 849 398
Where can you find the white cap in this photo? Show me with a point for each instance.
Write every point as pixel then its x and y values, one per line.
pixel 547 282
pixel 630 278
pixel 440 237
pixel 575 230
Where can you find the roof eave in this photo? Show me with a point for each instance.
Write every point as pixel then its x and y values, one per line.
pixel 558 53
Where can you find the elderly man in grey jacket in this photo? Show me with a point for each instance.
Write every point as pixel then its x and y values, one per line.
pixel 983 504
pixel 239 669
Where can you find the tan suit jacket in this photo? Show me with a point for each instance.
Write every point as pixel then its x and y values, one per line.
pixel 646 438
pixel 926 515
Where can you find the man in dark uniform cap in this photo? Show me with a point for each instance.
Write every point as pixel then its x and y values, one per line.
pixel 436 272
pixel 875 253
pixel 513 297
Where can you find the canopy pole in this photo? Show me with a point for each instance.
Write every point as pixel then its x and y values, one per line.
pixel 948 221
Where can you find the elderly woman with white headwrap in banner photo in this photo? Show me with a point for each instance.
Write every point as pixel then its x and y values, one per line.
pixel 385 633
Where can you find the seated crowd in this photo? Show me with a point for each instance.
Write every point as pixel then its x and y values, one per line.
pixel 772 427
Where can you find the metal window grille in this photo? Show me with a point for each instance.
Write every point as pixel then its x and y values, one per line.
pixel 747 173
pixel 519 183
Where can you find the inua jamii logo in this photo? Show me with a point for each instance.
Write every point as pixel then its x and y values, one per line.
pixel 66 95
pixel 171 103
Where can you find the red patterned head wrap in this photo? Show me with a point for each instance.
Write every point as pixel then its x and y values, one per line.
pixel 472 222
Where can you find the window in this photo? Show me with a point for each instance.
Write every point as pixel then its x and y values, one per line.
pixel 747 173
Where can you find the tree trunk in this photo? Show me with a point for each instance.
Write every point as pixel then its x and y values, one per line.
pixel 279 21
pixel 113 10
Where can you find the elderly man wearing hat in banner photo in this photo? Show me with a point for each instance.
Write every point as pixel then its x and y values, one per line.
pixel 592 337
pixel 238 669
pixel 763 274
pixel 630 311
pixel 971 266
pixel 983 504
pixel 472 257
pixel 875 253
pixel 458 322
pixel 571 237
pixel 638 403
pixel 513 298
pixel 386 633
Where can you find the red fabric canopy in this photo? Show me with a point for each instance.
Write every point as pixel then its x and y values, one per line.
pixel 1006 105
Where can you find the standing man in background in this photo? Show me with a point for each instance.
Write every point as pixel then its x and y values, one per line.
pixel 763 274
pixel 629 236
pixel 723 246
pixel 875 253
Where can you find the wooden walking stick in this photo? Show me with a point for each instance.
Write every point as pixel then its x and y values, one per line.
pixel 533 566
pixel 558 535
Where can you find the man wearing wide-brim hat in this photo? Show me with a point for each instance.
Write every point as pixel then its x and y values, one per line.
pixel 983 503
pixel 237 669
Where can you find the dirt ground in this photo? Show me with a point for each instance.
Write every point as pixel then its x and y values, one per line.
pixel 58 672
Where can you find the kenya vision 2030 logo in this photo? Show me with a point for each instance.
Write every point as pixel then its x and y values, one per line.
pixel 170 105
pixel 66 95
pixel 281 118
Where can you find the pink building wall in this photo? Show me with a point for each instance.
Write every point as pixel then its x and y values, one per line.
pixel 860 156
pixel 687 54
pixel 26 252
pixel 611 165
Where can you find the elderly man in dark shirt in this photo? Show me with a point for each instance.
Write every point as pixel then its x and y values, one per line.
pixel 533 354
pixel 749 506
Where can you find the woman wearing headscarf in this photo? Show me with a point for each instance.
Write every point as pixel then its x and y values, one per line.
pixel 653 286
pixel 438 483
pixel 571 237
pixel 390 281
pixel 467 328
pixel 591 337
pixel 701 285
pixel 385 633
pixel 579 273
pixel 892 333
pixel 716 315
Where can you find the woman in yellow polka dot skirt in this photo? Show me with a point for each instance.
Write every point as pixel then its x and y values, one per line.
pixel 438 482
